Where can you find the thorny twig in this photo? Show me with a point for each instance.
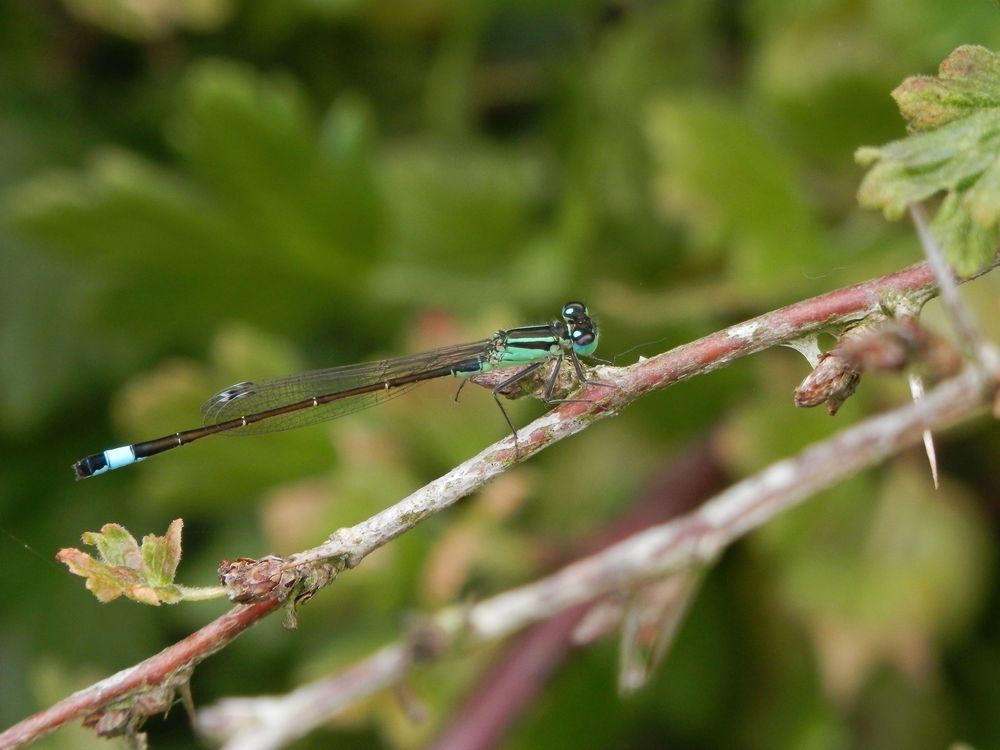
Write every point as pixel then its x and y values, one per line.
pixel 698 537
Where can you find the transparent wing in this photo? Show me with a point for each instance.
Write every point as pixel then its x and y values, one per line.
pixel 255 397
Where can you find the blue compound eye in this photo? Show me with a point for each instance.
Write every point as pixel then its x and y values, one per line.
pixel 574 310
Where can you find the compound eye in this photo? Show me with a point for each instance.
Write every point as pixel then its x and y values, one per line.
pixel 583 338
pixel 574 310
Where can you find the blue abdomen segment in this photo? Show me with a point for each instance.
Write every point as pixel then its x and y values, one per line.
pixel 114 458
pixel 119 457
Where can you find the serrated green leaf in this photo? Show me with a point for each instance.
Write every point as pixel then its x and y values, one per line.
pixel 144 575
pixel 954 148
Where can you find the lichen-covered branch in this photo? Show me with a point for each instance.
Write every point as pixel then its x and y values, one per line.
pixel 694 539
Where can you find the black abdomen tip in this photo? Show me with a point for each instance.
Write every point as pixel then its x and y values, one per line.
pixel 89 466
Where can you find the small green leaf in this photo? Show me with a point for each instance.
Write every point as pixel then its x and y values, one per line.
pixel 162 554
pixel 144 574
pixel 954 147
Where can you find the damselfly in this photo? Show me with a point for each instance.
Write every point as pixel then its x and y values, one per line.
pixel 298 400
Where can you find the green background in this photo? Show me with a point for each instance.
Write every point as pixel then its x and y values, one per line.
pixel 235 190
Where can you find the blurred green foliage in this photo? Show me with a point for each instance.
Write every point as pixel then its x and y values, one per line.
pixel 203 192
